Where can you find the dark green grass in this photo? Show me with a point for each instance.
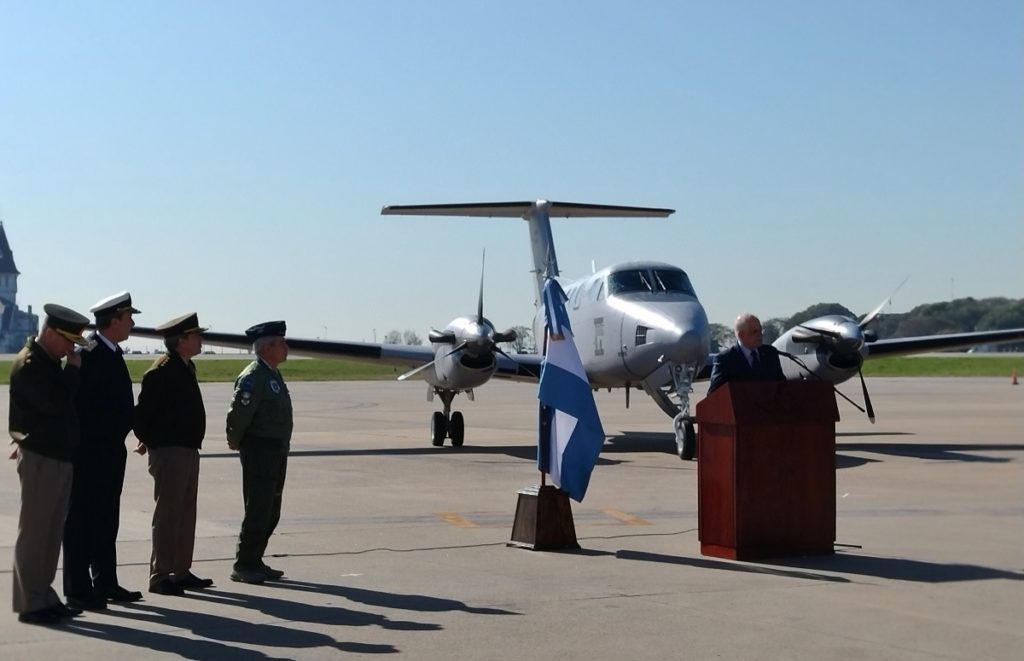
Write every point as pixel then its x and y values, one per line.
pixel 324 369
pixel 210 371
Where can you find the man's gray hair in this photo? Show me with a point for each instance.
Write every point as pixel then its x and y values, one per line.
pixel 261 342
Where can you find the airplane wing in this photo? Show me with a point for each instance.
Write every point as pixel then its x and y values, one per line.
pixel 903 346
pixel 524 367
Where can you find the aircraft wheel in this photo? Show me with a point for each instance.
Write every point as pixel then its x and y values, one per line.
pixel 457 429
pixel 438 429
pixel 686 438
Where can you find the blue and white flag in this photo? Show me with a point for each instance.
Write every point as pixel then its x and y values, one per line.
pixel 571 435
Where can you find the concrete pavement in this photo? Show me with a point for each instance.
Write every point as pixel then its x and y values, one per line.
pixel 392 546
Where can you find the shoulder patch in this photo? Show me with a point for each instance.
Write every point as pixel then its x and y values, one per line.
pixel 245 383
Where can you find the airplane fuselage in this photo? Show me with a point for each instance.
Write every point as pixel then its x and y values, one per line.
pixel 632 321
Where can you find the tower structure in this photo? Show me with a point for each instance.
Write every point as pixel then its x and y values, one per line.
pixel 15 324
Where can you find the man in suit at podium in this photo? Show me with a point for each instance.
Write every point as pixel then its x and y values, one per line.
pixel 748 359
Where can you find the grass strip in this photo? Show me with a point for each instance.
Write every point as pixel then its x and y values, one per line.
pixel 326 369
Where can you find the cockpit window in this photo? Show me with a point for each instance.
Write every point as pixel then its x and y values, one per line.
pixel 629 282
pixel 673 281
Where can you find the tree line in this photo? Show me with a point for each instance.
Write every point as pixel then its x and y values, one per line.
pixel 963 315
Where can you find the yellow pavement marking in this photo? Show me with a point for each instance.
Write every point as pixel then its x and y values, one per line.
pixel 628 519
pixel 456 519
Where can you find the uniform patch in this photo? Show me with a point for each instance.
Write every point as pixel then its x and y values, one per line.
pixel 245 383
pixel 275 386
pixel 246 398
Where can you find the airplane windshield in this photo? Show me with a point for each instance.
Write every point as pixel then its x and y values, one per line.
pixel 629 282
pixel 673 282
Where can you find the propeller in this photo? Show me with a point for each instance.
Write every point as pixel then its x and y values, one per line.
pixel 478 337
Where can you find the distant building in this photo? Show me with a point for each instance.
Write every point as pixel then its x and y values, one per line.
pixel 15 325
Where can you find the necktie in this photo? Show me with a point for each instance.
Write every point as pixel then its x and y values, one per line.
pixel 755 363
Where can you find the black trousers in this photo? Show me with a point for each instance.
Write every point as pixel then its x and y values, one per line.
pixel 90 533
pixel 263 474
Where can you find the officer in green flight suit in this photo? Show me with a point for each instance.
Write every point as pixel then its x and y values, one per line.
pixel 259 426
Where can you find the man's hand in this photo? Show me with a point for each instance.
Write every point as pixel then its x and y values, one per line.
pixel 75 358
pixel 140 449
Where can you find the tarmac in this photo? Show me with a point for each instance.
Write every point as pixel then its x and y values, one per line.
pixel 392 546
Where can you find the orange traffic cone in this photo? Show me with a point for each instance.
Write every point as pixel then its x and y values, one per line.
pixel 1013 378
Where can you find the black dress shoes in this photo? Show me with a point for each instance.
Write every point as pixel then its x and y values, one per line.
pixel 166 586
pixel 63 610
pixel 120 595
pixel 192 582
pixel 41 616
pixel 89 603
pixel 271 573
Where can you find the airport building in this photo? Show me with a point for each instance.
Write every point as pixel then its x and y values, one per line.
pixel 15 324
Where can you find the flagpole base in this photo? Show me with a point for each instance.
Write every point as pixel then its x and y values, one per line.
pixel 543 520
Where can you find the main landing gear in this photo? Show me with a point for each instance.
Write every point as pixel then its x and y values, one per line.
pixel 447 423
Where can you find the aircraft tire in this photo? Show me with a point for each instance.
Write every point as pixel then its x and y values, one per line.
pixel 457 429
pixel 686 438
pixel 438 429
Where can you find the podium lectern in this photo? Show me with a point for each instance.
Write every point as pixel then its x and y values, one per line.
pixel 766 477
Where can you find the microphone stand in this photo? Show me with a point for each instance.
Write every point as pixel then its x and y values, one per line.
pixel 804 367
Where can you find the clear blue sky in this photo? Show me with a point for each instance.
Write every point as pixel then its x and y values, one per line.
pixel 232 157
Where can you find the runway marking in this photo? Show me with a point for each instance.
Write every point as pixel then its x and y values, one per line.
pixel 456 519
pixel 628 519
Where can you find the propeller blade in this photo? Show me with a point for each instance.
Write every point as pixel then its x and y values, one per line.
pixel 458 347
pixel 870 316
pixel 441 337
pixel 417 370
pixel 498 350
pixel 480 304
pixel 822 331
pixel 508 336
pixel 867 398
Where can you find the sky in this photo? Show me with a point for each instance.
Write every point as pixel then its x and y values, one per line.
pixel 232 158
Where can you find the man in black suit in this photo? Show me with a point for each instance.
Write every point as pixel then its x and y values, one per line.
pixel 106 405
pixel 748 359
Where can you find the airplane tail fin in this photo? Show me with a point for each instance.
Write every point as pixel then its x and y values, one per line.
pixel 538 213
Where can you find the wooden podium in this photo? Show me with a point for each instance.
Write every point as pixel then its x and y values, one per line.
pixel 766 477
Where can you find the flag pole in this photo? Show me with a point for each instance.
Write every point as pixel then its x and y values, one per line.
pixel 543 422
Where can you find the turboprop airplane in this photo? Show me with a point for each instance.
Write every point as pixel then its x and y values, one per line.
pixel 637 325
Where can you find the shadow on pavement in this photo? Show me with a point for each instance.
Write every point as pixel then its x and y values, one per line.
pixel 412 602
pixel 899 569
pixel 727 565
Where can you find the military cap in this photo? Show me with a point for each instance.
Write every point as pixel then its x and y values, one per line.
pixel 66 322
pixel 266 329
pixel 188 323
pixel 121 302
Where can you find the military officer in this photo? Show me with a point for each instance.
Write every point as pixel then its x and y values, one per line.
pixel 106 406
pixel 44 424
pixel 170 422
pixel 259 426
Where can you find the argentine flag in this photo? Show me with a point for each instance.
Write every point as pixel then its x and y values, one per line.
pixel 571 435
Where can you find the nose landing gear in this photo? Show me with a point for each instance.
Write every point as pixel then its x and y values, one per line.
pixel 447 423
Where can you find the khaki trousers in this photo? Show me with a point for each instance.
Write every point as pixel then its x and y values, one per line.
pixel 45 490
pixel 175 472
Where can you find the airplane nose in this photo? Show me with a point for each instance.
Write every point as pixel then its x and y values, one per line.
pixel 691 345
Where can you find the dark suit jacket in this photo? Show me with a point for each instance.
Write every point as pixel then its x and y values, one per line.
pixel 105 402
pixel 732 365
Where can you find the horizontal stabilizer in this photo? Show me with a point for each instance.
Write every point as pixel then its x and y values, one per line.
pixel 523 209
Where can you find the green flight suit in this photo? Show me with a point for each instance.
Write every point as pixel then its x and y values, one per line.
pixel 259 426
